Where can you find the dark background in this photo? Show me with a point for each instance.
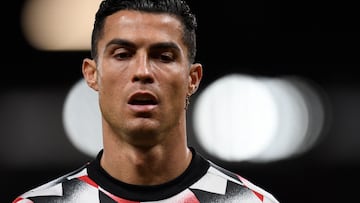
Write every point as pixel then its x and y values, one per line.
pixel 317 40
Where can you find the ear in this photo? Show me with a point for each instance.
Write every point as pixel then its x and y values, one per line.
pixel 90 73
pixel 195 76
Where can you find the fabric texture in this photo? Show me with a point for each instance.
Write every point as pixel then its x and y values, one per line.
pixel 202 182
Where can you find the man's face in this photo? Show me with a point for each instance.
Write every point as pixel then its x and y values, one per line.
pixel 143 75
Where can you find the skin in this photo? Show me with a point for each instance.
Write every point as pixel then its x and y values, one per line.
pixel 142 76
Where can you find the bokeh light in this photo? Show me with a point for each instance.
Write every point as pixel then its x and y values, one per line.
pixel 260 119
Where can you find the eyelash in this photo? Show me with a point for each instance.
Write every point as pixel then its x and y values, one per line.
pixel 123 55
pixel 165 57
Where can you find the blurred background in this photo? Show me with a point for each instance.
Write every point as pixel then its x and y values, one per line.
pixel 279 102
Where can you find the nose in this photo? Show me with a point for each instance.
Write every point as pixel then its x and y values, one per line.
pixel 142 70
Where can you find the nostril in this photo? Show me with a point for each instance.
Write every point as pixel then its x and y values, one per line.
pixel 135 79
pixel 149 80
pixel 143 79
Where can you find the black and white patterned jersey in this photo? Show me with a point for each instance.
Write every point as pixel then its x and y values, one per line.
pixel 202 182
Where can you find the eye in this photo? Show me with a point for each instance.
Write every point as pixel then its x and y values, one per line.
pixel 122 54
pixel 166 57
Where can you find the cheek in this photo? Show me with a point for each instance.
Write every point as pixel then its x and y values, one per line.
pixel 111 87
pixel 178 88
pixel 114 77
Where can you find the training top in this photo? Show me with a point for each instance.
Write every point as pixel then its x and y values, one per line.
pixel 202 182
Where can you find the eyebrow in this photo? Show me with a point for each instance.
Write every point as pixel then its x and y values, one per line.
pixel 160 45
pixel 166 45
pixel 122 42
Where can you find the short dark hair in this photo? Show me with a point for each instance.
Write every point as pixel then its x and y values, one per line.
pixel 178 8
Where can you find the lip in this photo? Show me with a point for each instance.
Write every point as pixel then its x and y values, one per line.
pixel 142 101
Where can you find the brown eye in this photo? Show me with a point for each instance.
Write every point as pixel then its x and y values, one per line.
pixel 166 57
pixel 123 55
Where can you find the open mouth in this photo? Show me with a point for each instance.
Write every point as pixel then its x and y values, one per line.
pixel 143 99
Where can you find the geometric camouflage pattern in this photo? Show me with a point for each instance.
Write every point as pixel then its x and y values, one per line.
pixel 202 182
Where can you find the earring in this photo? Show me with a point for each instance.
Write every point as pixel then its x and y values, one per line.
pixel 187 101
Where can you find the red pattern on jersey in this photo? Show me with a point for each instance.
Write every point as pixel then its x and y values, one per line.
pixel 245 181
pixel 260 196
pixel 24 200
pixel 88 180
pixel 116 198
pixel 189 197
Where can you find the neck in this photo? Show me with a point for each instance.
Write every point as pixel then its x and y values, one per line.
pixel 146 165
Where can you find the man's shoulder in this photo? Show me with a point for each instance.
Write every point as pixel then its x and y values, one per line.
pixel 231 185
pixel 53 187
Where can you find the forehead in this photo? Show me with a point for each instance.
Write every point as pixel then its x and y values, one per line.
pixel 137 26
